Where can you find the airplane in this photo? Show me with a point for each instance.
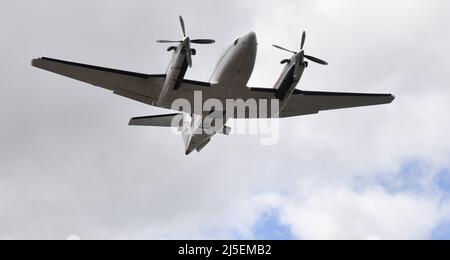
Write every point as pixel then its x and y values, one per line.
pixel 228 82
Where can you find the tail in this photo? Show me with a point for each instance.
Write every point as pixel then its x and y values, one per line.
pixel 189 126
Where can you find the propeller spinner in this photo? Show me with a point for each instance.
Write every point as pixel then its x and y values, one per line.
pixel 188 42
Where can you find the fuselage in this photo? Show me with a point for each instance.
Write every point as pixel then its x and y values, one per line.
pixel 236 64
pixel 233 71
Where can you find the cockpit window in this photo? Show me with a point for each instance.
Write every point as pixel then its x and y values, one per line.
pixel 236 42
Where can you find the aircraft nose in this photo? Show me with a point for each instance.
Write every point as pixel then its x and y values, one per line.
pixel 250 38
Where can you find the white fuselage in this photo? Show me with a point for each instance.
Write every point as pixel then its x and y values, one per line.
pixel 236 64
pixel 232 72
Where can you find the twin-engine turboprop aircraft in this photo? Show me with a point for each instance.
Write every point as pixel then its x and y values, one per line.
pixel 227 85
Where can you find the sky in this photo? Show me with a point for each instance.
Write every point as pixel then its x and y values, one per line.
pixel 70 166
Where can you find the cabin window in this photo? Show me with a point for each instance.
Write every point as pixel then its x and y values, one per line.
pixel 236 42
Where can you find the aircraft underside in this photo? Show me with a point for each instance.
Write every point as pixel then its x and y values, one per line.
pixel 225 96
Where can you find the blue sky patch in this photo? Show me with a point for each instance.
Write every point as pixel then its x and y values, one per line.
pixel 269 227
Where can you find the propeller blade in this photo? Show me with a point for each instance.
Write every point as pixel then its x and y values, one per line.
pixel 203 41
pixel 167 41
pixel 182 26
pixel 189 54
pixel 284 49
pixel 303 40
pixel 317 60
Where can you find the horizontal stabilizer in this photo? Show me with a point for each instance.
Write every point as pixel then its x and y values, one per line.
pixel 170 120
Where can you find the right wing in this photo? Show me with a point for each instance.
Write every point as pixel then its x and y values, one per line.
pixel 312 102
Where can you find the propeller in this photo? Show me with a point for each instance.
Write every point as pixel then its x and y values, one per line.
pixel 188 42
pixel 302 45
pixel 303 40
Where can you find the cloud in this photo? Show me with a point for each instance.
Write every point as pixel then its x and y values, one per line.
pixel 341 213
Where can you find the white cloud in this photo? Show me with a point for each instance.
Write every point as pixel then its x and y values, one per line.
pixel 380 46
pixel 341 213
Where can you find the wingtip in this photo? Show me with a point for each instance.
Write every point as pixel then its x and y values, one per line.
pixel 34 62
pixel 392 98
pixel 38 61
pixel 132 122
